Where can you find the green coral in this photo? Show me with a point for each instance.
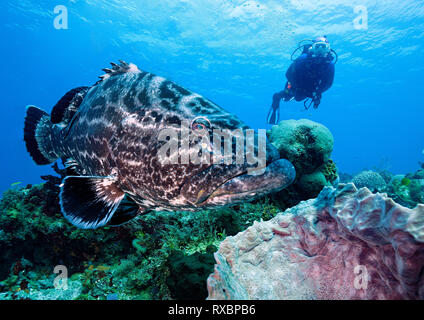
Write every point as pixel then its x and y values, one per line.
pixel 329 170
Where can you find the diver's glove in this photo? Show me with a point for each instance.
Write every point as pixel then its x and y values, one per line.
pixel 316 99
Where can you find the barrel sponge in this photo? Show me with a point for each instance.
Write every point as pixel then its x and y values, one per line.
pixel 306 144
pixel 313 250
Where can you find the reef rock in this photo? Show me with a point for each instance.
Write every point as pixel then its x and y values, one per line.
pixel 346 244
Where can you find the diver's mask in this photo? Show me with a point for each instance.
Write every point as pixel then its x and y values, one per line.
pixel 320 49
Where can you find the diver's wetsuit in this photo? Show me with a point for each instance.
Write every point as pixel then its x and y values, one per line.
pixel 308 77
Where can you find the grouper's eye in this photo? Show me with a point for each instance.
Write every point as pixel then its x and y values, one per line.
pixel 201 127
pixel 199 124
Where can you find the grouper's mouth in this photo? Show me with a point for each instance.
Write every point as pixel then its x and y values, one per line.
pixel 246 186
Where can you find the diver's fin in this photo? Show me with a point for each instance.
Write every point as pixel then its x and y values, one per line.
pixel 272 115
pixel 89 202
pixel 68 105
pixel 37 135
pixel 128 209
pixel 117 69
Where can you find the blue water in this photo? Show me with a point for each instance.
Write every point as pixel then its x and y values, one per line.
pixel 234 53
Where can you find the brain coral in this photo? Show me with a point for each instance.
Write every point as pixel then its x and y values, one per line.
pixel 371 180
pixel 306 144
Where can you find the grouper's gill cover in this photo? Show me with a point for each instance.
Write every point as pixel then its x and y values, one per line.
pixel 110 139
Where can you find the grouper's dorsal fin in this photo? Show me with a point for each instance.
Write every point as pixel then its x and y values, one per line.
pixel 118 69
pixel 89 202
pixel 68 105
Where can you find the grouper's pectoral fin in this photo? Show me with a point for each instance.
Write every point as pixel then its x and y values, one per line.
pixel 68 105
pixel 89 202
pixel 128 209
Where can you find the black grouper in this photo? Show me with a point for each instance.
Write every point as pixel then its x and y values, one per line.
pixel 109 137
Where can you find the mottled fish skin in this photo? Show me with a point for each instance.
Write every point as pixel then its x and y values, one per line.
pixel 115 134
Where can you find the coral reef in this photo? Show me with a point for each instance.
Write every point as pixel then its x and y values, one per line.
pixel 188 273
pixel 308 146
pixel 371 180
pixel 407 190
pixel 32 226
pixel 346 244
pixel 140 260
pixel 169 255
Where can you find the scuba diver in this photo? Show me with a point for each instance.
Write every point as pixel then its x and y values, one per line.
pixel 311 74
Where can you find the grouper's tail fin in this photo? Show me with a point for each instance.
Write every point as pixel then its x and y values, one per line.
pixel 38 132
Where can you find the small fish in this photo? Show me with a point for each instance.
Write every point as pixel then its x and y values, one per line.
pixel 109 136
pixel 16 184
pixel 102 268
pixel 406 182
